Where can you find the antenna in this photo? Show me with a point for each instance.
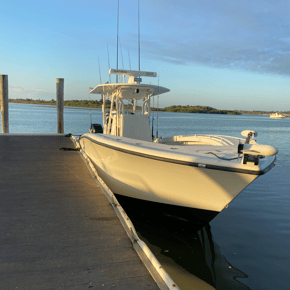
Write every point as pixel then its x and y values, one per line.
pixel 138 33
pixel 117 38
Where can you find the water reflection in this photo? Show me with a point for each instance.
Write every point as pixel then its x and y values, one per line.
pixel 188 254
pixel 223 273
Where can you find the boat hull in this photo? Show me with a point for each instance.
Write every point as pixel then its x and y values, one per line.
pixel 177 215
pixel 277 116
pixel 163 182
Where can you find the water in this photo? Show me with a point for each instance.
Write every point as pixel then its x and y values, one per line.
pixel 24 118
pixel 247 245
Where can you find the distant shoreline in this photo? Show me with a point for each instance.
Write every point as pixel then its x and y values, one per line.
pixel 74 104
pixel 97 105
pixel 54 106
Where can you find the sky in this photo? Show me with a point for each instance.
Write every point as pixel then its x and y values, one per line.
pixel 232 55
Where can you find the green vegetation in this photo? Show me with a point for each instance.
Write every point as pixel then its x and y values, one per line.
pixel 179 109
pixel 70 103
pixel 196 109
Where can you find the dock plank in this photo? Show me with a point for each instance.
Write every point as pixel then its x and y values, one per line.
pixel 58 230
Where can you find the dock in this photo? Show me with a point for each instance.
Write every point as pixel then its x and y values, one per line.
pixel 58 229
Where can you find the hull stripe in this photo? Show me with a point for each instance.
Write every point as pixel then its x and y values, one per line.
pixel 187 163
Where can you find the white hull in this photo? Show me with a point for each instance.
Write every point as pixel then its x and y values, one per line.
pixel 192 176
pixel 133 174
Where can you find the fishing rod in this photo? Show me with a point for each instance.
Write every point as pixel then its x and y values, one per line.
pixel 122 59
pixel 153 120
pixel 90 106
pixel 90 94
pixel 100 71
pixel 129 58
pixel 109 61
pixel 157 108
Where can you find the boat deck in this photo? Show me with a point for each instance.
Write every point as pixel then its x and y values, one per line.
pixel 58 229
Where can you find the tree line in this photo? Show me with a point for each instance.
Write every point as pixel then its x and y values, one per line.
pixel 178 108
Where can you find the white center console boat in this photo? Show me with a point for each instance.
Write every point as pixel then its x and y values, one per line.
pixel 191 177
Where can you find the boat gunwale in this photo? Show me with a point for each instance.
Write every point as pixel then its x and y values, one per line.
pixel 182 162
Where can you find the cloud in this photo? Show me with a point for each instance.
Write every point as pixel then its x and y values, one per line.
pixel 252 36
pixel 27 92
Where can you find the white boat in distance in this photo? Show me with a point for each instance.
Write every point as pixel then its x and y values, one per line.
pixel 277 116
pixel 192 177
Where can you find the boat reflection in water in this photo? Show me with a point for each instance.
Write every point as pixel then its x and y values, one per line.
pixel 186 251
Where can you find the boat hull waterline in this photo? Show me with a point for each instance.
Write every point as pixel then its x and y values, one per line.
pixel 170 183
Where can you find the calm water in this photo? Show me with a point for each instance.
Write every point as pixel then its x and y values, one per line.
pixel 247 246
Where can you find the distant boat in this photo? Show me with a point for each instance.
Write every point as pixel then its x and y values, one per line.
pixel 277 116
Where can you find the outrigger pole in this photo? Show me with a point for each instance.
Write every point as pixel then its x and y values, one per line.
pixel 117 39
pixel 139 34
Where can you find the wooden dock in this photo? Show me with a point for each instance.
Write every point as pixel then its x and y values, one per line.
pixel 58 229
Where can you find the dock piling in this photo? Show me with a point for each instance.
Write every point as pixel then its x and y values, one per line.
pixel 4 103
pixel 59 104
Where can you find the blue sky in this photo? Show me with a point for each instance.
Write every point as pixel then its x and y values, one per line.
pixel 224 54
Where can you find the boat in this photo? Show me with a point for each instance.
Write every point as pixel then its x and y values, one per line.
pixel 192 177
pixel 277 116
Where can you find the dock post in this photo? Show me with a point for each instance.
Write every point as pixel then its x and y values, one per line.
pixel 59 104
pixel 4 103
